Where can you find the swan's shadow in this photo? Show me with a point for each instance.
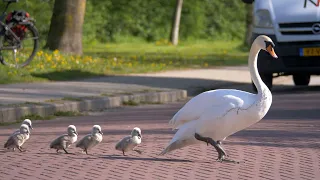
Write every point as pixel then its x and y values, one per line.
pixel 117 157
pixel 55 153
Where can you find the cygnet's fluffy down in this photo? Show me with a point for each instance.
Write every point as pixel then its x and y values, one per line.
pixel 65 140
pixel 128 143
pixel 16 140
pixel 26 122
pixel 91 140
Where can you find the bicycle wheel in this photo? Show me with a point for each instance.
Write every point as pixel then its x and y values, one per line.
pixel 25 49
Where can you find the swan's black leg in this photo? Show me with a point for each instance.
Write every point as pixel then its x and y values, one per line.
pixel 221 152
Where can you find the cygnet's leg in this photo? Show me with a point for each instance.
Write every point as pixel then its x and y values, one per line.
pixel 123 152
pixel 221 152
pixel 85 150
pixel 65 151
pixel 138 151
pixel 20 149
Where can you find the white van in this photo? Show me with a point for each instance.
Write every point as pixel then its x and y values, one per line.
pixel 294 27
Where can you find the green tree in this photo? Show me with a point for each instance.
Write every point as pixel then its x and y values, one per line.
pixel 249 18
pixel 176 23
pixel 65 32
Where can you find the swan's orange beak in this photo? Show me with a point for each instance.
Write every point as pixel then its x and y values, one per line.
pixel 271 51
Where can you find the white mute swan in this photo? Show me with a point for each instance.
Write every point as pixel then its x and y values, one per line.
pixel 214 115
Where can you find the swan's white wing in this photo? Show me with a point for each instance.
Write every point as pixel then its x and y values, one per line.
pixel 217 121
pixel 193 109
pixel 185 135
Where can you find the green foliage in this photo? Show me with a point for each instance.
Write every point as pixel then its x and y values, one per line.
pixel 147 20
pixel 152 20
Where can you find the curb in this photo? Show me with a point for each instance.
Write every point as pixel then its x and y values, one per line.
pixel 12 114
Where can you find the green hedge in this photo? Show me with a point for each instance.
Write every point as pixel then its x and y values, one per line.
pixel 148 20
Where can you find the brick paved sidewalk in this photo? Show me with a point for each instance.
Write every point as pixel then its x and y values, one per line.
pixel 272 149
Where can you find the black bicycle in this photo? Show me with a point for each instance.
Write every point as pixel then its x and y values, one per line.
pixel 19 38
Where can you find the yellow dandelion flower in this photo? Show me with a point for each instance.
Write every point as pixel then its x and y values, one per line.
pixel 55 52
pixel 39 53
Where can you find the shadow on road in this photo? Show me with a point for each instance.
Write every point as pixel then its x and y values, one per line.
pixel 143 159
pixel 275 144
pixel 193 85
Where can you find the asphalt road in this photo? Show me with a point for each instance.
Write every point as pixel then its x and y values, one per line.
pixel 284 145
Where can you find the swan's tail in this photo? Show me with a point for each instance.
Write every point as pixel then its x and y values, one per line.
pixel 173 121
pixel 173 146
pixel 178 144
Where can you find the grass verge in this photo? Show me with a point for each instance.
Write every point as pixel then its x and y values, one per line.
pixel 125 58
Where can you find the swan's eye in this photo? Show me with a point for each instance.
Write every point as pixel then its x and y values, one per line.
pixel 269 43
pixel 270 50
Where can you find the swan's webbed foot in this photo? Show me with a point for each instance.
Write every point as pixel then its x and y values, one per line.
pixel 223 159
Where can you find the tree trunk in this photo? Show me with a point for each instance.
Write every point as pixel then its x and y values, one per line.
pixel 65 32
pixel 176 23
pixel 249 19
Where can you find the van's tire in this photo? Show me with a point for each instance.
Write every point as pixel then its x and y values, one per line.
pixel 301 79
pixel 267 79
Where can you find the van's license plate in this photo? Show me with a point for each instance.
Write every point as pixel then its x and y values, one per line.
pixel 310 51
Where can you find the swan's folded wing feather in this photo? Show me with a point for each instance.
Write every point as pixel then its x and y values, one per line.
pixel 195 108
pixel 210 115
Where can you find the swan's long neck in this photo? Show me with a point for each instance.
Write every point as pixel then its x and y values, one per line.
pixel 252 61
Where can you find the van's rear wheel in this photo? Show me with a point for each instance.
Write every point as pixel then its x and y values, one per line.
pixel 267 79
pixel 301 79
